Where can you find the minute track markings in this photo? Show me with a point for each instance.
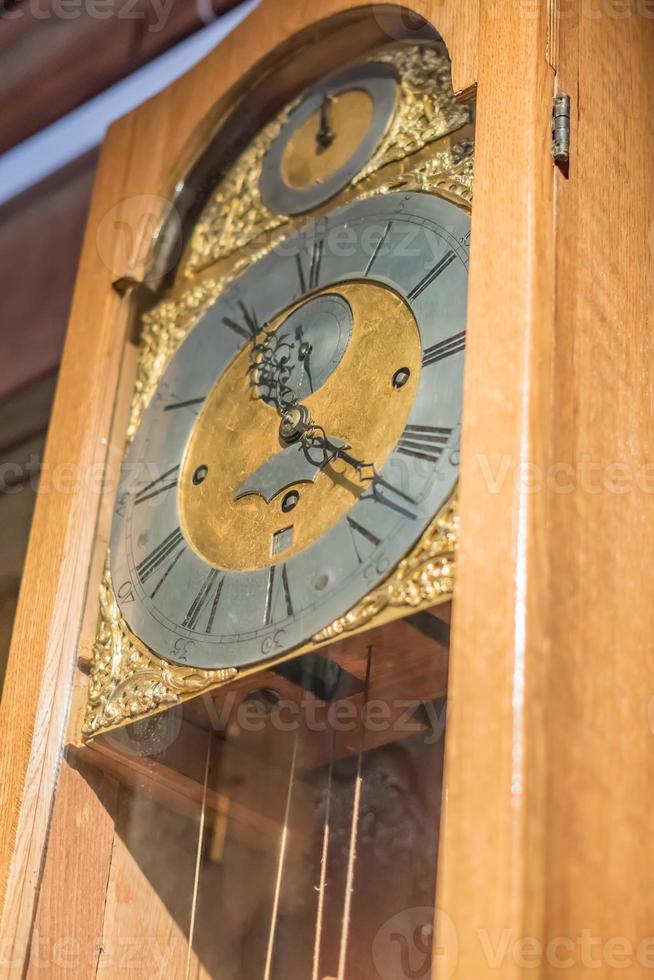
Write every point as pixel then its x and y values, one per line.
pixel 433 274
pixel 446 348
pixel 424 442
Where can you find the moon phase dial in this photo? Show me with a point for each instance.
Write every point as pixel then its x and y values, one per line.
pixel 296 360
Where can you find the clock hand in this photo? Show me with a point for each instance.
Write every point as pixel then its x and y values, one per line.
pixel 325 135
pixel 273 371
pixel 305 352
pixel 314 436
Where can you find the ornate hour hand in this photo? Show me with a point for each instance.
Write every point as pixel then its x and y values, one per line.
pixel 325 135
pixel 295 464
pixel 297 424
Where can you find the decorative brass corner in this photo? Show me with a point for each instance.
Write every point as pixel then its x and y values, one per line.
pixel 128 682
pixel 236 214
pixel 427 109
pixel 424 578
pixel 426 112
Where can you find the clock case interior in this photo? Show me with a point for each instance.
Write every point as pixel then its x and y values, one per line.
pixel 266 770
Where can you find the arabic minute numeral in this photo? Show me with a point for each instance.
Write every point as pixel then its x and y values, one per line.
pixel 126 592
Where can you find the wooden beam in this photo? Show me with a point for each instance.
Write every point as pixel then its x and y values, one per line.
pixel 41 235
pixel 80 52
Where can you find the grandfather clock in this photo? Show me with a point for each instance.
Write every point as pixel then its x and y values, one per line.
pixel 331 658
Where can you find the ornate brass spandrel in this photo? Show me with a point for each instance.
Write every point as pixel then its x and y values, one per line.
pixel 424 578
pixel 127 682
pixel 427 111
pixel 448 172
pixel 236 215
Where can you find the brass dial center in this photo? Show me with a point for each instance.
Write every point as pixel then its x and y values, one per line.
pixel 238 433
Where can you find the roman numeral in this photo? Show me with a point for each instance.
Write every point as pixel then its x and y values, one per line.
pixel 209 593
pixel 317 253
pixel 433 274
pixel 316 262
pixel 378 248
pixel 271 593
pixel 385 493
pixel 164 557
pixel 446 348
pixel 356 528
pixel 249 328
pixel 423 442
pixel 188 404
pixel 160 485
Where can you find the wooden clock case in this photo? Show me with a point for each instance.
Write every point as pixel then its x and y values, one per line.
pixel 550 756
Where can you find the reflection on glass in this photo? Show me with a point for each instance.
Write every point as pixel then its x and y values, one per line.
pixel 284 827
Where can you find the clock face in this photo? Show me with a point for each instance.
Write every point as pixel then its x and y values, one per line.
pixel 303 436
pixel 328 137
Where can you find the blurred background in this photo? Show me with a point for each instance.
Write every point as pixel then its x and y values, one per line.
pixel 68 68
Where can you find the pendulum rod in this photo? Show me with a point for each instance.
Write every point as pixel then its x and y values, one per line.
pixel 281 863
pixel 198 856
pixel 354 831
pixel 315 975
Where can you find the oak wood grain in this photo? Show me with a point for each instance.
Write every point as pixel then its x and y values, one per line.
pixel 492 875
pixel 68 925
pixel 600 742
pixel 140 156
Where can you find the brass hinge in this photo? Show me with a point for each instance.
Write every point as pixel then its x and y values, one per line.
pixel 561 128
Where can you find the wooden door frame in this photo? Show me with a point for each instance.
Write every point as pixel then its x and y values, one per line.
pixel 500 789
